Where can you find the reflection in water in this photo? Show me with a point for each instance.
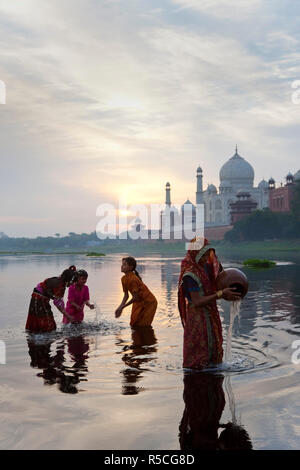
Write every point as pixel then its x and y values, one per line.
pixel 204 400
pixel 135 356
pixel 269 322
pixel 170 271
pixel 54 368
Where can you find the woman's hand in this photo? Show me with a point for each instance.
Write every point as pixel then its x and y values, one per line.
pixel 230 293
pixel 92 306
pixel 118 312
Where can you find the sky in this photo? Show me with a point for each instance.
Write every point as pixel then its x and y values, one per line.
pixel 110 99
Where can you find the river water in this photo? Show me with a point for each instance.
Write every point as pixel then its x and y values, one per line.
pixel 102 385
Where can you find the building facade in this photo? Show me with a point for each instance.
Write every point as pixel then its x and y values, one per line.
pixel 280 198
pixel 235 198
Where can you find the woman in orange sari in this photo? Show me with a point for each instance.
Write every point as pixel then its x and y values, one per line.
pixel 197 295
pixel 144 303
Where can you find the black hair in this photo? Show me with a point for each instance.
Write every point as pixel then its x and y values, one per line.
pixel 82 273
pixel 68 274
pixel 132 262
pixel 235 437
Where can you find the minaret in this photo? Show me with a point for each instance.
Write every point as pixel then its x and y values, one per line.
pixel 168 194
pixel 199 193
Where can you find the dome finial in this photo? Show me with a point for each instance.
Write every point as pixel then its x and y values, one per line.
pixel 236 149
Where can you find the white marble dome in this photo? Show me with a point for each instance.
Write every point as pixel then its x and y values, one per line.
pixel 237 172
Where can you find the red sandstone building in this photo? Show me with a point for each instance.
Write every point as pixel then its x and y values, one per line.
pixel 242 207
pixel 280 199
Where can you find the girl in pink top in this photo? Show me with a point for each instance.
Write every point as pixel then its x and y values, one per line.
pixel 78 297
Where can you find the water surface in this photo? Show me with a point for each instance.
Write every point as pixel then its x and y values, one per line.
pixel 102 385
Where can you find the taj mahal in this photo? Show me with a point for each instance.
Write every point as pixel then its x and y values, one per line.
pixel 236 182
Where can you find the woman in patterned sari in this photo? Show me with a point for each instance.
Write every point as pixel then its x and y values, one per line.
pixel 40 317
pixel 197 295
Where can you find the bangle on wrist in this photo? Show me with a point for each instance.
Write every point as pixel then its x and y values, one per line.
pixel 219 293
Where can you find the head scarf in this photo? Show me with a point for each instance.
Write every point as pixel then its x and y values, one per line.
pixel 190 264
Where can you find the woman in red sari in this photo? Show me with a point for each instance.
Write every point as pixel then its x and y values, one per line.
pixel 40 317
pixel 197 295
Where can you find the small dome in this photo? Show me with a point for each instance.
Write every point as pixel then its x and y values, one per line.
pixel 271 181
pixel 199 169
pixel 297 176
pixel 263 184
pixel 211 188
pixel 168 185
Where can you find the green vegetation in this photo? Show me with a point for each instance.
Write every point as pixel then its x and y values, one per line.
pixel 71 244
pixel 278 250
pixel 94 253
pixel 265 225
pixel 259 263
pixel 54 253
pixel 268 225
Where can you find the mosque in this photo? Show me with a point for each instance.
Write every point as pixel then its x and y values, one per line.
pixel 235 198
pixel 236 183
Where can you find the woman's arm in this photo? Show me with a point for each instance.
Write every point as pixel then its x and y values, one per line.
pixel 228 294
pixel 60 305
pixel 74 304
pixel 124 303
pixel 200 301
pixel 135 298
pixel 91 306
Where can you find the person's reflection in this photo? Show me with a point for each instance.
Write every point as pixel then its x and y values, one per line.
pixel 53 363
pixel 136 356
pixel 204 400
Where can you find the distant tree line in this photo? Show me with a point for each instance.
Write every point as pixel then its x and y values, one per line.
pixel 266 225
pixel 48 244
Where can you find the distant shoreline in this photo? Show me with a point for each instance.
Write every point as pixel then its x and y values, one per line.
pixel 43 253
pixel 270 247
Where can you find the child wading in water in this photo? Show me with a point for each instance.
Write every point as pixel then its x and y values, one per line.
pixel 78 297
pixel 144 303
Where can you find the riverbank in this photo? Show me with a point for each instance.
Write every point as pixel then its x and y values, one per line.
pixel 86 253
pixel 269 248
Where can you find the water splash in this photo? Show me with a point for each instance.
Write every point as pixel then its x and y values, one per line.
pixel 234 312
pixel 97 312
pixel 231 400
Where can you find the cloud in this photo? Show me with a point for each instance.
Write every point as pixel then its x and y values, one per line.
pixel 229 9
pixel 104 100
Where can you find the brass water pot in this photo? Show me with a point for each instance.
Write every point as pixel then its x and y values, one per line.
pixel 233 277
